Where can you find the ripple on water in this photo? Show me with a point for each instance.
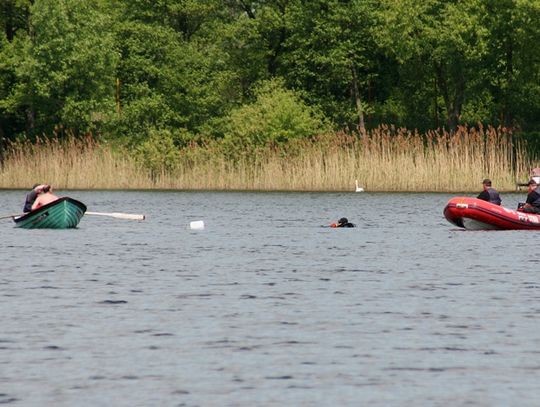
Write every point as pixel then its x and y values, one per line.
pixel 266 307
pixel 113 302
pixel 7 399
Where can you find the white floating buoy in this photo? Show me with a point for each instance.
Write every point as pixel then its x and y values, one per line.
pixel 358 189
pixel 196 225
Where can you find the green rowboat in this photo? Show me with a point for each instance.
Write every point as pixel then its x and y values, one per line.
pixel 63 213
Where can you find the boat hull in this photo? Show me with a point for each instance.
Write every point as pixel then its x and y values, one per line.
pixel 476 214
pixel 64 213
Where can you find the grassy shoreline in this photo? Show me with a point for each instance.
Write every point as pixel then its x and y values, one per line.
pixel 386 159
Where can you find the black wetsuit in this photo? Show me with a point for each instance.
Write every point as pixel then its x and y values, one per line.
pixel 346 225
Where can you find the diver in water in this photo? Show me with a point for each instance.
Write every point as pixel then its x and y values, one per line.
pixel 343 223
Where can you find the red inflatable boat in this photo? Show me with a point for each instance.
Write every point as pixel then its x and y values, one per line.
pixel 475 214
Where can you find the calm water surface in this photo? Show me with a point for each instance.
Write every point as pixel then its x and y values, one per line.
pixel 264 307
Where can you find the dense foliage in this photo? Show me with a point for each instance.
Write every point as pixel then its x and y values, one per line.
pixel 165 73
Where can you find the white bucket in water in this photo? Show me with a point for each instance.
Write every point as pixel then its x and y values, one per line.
pixel 196 225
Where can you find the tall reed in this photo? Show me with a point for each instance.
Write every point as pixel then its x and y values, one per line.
pixel 385 159
pixel 69 164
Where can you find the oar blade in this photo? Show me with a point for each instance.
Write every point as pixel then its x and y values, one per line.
pixel 118 215
pixel 10 216
pixel 130 216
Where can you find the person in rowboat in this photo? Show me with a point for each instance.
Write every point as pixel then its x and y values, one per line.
pixel 489 194
pixel 31 196
pixel 45 196
pixel 532 204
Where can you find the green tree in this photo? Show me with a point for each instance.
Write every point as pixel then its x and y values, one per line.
pixel 174 72
pixel 138 70
pixel 64 67
pixel 278 115
pixel 14 21
pixel 512 65
pixel 444 40
pixel 330 54
pixel 14 17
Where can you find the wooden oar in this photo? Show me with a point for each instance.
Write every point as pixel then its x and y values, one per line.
pixel 11 216
pixel 118 215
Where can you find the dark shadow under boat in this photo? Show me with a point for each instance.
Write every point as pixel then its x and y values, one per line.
pixel 64 213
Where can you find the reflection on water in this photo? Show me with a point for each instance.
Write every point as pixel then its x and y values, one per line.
pixel 266 307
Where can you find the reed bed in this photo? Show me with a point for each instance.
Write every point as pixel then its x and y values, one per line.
pixel 70 164
pixel 385 159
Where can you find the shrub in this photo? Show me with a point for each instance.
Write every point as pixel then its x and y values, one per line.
pixel 277 116
pixel 158 153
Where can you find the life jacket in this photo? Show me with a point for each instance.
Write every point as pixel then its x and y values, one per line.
pixel 494 197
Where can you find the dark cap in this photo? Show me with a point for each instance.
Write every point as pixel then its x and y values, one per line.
pixel 487 181
pixel 532 182
pixel 342 221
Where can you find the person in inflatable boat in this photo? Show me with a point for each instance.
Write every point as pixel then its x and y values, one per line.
pixel 489 194
pixel 343 223
pixel 532 204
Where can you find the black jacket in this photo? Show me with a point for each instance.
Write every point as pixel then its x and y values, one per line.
pixel 533 198
pixel 30 198
pixel 490 195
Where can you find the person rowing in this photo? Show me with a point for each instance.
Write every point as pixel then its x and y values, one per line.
pixel 343 223
pixel 32 196
pixel 45 196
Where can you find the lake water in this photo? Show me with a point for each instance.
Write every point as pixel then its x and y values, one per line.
pixel 264 307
